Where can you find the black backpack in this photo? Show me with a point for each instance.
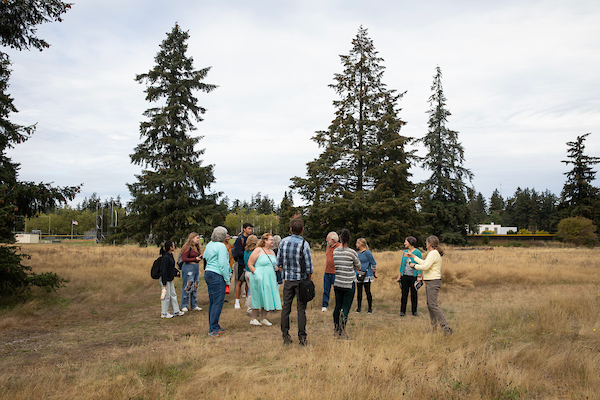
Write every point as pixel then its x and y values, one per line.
pixel 155 271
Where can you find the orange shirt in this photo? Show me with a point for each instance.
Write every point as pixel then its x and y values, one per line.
pixel 329 267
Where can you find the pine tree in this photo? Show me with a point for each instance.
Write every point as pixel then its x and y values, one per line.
pixel 444 194
pixel 18 22
pixel 171 197
pixel 360 180
pixel 287 211
pixel 478 208
pixel 579 197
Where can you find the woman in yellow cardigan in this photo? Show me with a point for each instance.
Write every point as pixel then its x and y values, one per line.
pixel 431 269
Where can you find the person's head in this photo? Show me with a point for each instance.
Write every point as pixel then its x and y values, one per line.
pixel 276 241
pixel 227 239
pixel 332 239
pixel 218 234
pixel 168 246
pixel 251 243
pixel 192 240
pixel 433 243
pixel 410 241
pixel 297 226
pixel 344 237
pixel 266 241
pixel 361 243
pixel 247 229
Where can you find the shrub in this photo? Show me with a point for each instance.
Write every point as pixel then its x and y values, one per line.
pixel 577 230
pixel 16 279
pixel 524 232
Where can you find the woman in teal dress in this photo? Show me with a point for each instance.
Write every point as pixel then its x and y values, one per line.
pixel 263 281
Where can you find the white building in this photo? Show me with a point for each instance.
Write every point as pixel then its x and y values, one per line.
pixel 27 238
pixel 497 229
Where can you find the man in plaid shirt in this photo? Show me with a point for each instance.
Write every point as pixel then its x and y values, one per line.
pixel 291 249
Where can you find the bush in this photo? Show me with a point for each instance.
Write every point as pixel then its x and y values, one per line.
pixel 16 279
pixel 577 230
pixel 524 232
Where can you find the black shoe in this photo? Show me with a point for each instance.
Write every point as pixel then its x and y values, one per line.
pixel 303 342
pixel 416 314
pixel 287 341
pixel 358 310
pixel 370 311
pixel 402 314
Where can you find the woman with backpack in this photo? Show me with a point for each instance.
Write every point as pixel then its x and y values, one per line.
pixel 191 255
pixel 168 272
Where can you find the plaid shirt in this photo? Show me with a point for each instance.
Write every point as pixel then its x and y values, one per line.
pixel 288 257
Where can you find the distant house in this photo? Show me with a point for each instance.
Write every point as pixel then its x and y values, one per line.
pixel 497 229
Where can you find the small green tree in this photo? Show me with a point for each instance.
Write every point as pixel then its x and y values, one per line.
pixel 577 230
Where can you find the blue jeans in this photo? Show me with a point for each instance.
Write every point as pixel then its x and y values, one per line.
pixel 216 296
pixel 189 273
pixel 328 280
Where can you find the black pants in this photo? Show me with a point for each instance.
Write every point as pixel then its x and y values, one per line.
pixel 407 283
pixel 359 288
pixel 290 290
pixel 343 302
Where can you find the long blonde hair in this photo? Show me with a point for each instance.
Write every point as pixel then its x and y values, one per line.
pixel 363 243
pixel 251 243
pixel 188 243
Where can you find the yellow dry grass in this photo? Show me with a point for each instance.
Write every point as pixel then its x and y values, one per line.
pixel 526 326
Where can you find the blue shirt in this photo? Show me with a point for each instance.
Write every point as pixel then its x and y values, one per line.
pixel 288 257
pixel 217 259
pixel 366 260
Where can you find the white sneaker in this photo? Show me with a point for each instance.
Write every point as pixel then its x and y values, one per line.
pixel 255 322
pixel 237 303
pixel 178 314
pixel 184 309
pixel 197 308
pixel 167 315
pixel 266 322
pixel 323 309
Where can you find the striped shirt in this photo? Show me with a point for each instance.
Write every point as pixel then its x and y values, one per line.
pixel 288 257
pixel 346 261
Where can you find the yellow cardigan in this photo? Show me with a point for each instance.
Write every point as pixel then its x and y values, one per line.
pixel 431 266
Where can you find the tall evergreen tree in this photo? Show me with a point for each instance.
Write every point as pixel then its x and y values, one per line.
pixel 18 25
pixel 171 197
pixel 478 208
pixel 444 194
pixel 360 180
pixel 579 197
pixel 287 211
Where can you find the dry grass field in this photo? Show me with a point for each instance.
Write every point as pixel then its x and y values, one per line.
pixel 526 326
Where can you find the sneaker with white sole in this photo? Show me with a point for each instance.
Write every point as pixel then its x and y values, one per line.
pixel 237 304
pixel 266 322
pixel 178 314
pixel 255 322
pixel 197 308
pixel 167 315
pixel 323 309
pixel 184 309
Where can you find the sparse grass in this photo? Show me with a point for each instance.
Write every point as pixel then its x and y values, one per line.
pixel 526 326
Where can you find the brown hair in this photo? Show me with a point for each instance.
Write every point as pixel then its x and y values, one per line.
pixel 411 240
pixel 434 242
pixel 263 239
pixel 297 226
pixel 251 243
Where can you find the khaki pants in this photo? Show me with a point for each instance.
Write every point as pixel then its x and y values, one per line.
pixel 435 312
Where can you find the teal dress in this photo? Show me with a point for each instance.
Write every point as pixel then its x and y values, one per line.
pixel 263 284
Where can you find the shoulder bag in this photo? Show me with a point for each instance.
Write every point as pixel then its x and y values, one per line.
pixel 306 289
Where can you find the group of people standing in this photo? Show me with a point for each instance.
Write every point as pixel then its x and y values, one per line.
pixel 263 265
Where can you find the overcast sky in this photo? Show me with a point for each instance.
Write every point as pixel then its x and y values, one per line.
pixel 521 79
